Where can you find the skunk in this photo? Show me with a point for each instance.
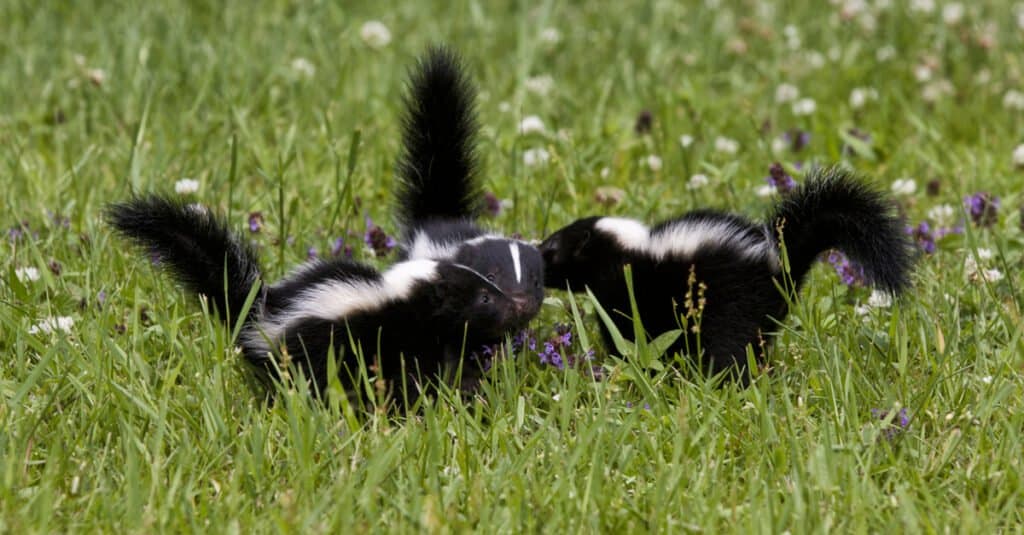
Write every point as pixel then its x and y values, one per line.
pixel 438 196
pixel 718 274
pixel 423 310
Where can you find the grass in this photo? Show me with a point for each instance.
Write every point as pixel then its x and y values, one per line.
pixel 143 418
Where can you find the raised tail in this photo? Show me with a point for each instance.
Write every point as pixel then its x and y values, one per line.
pixel 198 248
pixel 834 209
pixel 437 166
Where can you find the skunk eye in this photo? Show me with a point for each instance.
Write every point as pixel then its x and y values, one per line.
pixel 490 277
pixel 485 298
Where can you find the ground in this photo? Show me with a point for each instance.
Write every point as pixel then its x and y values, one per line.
pixel 125 408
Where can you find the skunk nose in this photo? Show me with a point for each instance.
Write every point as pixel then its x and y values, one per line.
pixel 524 305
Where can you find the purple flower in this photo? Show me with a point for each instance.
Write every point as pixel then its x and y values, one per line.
pixel 101 297
pixel 851 273
pixel 983 208
pixel 797 139
pixel 311 253
pixel 339 247
pixel 255 222
pixel 923 236
pixel 778 178
pixel 377 239
pixel 899 423
pixel 557 349
pixel 492 204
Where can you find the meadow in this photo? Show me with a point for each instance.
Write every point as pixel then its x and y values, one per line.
pixel 125 408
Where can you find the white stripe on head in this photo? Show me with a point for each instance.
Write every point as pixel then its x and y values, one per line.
pixel 335 300
pixel 514 247
pixel 630 233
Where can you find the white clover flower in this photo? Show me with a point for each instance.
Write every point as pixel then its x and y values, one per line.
pixel 885 53
pixel 541 85
pixel 815 59
pixel 876 300
pixel 868 21
pixel 698 181
pixel 653 162
pixel 779 144
pixel 96 76
pixel 1018 156
pixel 786 93
pixel 983 77
pixel 186 186
pixel 904 186
pixel 605 172
pixel 852 8
pixel 974 267
pixel 303 67
pixel 792 35
pixel 1020 19
pixel 952 13
pixel 504 107
pixel 375 34
pixel 49 325
pixel 882 5
pixel 550 36
pixel 726 145
pixel 985 253
pixel 992 275
pixel 686 140
pixel 987 379
pixel 835 53
pixel 536 157
pixel 766 190
pixel 804 106
pixel 29 274
pixel 934 91
pixel 922 6
pixel 1013 100
pixel 531 124
pixel 922 73
pixel 941 214
pixel 860 95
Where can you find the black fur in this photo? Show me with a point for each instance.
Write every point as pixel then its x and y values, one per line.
pixel 832 209
pixel 438 195
pixel 428 327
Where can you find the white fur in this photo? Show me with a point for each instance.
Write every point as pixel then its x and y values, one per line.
pixel 336 299
pixel 514 247
pixel 485 237
pixel 424 247
pixel 684 238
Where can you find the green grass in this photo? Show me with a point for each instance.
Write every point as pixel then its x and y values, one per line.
pixel 143 418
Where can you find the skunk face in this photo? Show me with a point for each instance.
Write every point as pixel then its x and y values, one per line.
pixel 580 253
pixel 515 268
pixel 469 300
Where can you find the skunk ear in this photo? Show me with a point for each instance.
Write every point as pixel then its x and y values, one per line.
pixel 582 244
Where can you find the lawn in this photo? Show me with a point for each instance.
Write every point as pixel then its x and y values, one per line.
pixel 125 408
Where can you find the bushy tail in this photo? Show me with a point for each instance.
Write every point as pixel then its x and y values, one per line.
pixel 437 167
pixel 198 248
pixel 834 209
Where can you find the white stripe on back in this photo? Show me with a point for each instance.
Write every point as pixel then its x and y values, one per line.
pixel 685 238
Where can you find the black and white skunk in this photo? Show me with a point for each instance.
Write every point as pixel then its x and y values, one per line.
pixel 732 297
pixel 438 196
pixel 423 310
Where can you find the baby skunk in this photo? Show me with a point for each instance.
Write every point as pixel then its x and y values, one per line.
pixel 438 196
pixel 737 262
pixel 423 310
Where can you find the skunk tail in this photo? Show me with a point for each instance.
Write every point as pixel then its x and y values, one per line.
pixel 437 166
pixel 198 248
pixel 834 209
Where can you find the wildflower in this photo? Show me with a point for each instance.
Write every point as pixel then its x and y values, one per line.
pixel 492 204
pixel 796 138
pixel 987 379
pixel 1013 100
pixel 653 162
pixel 877 299
pixel 726 145
pixel 786 93
pixel 101 297
pixel 535 157
pixel 311 253
pixel 255 221
pixel 983 208
pixel 977 272
pixel 922 72
pixel 851 273
pixel 556 349
pixel 644 122
pixel 952 13
pixel 605 172
pixel 540 85
pixel 697 181
pixel 55 268
pixel 49 325
pixel 24 274
pixel 941 214
pixel 860 95
pixel 885 53
pixel 186 186
pixel 685 141
pixel 609 195
pixel 779 179
pixel 303 67
pixel 339 247
pixel 934 91
pixel 923 236
pixel 96 76
pixel 792 35
pixel 1018 156
pixel 923 6
pixel 900 422
pixel 375 34
pixel 531 124
pixel 804 106
pixel 904 186
pixel 377 240
pixel 815 59
pixel 550 36
pixel 504 107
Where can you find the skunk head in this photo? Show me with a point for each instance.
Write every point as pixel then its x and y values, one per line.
pixel 589 249
pixel 466 298
pixel 514 267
